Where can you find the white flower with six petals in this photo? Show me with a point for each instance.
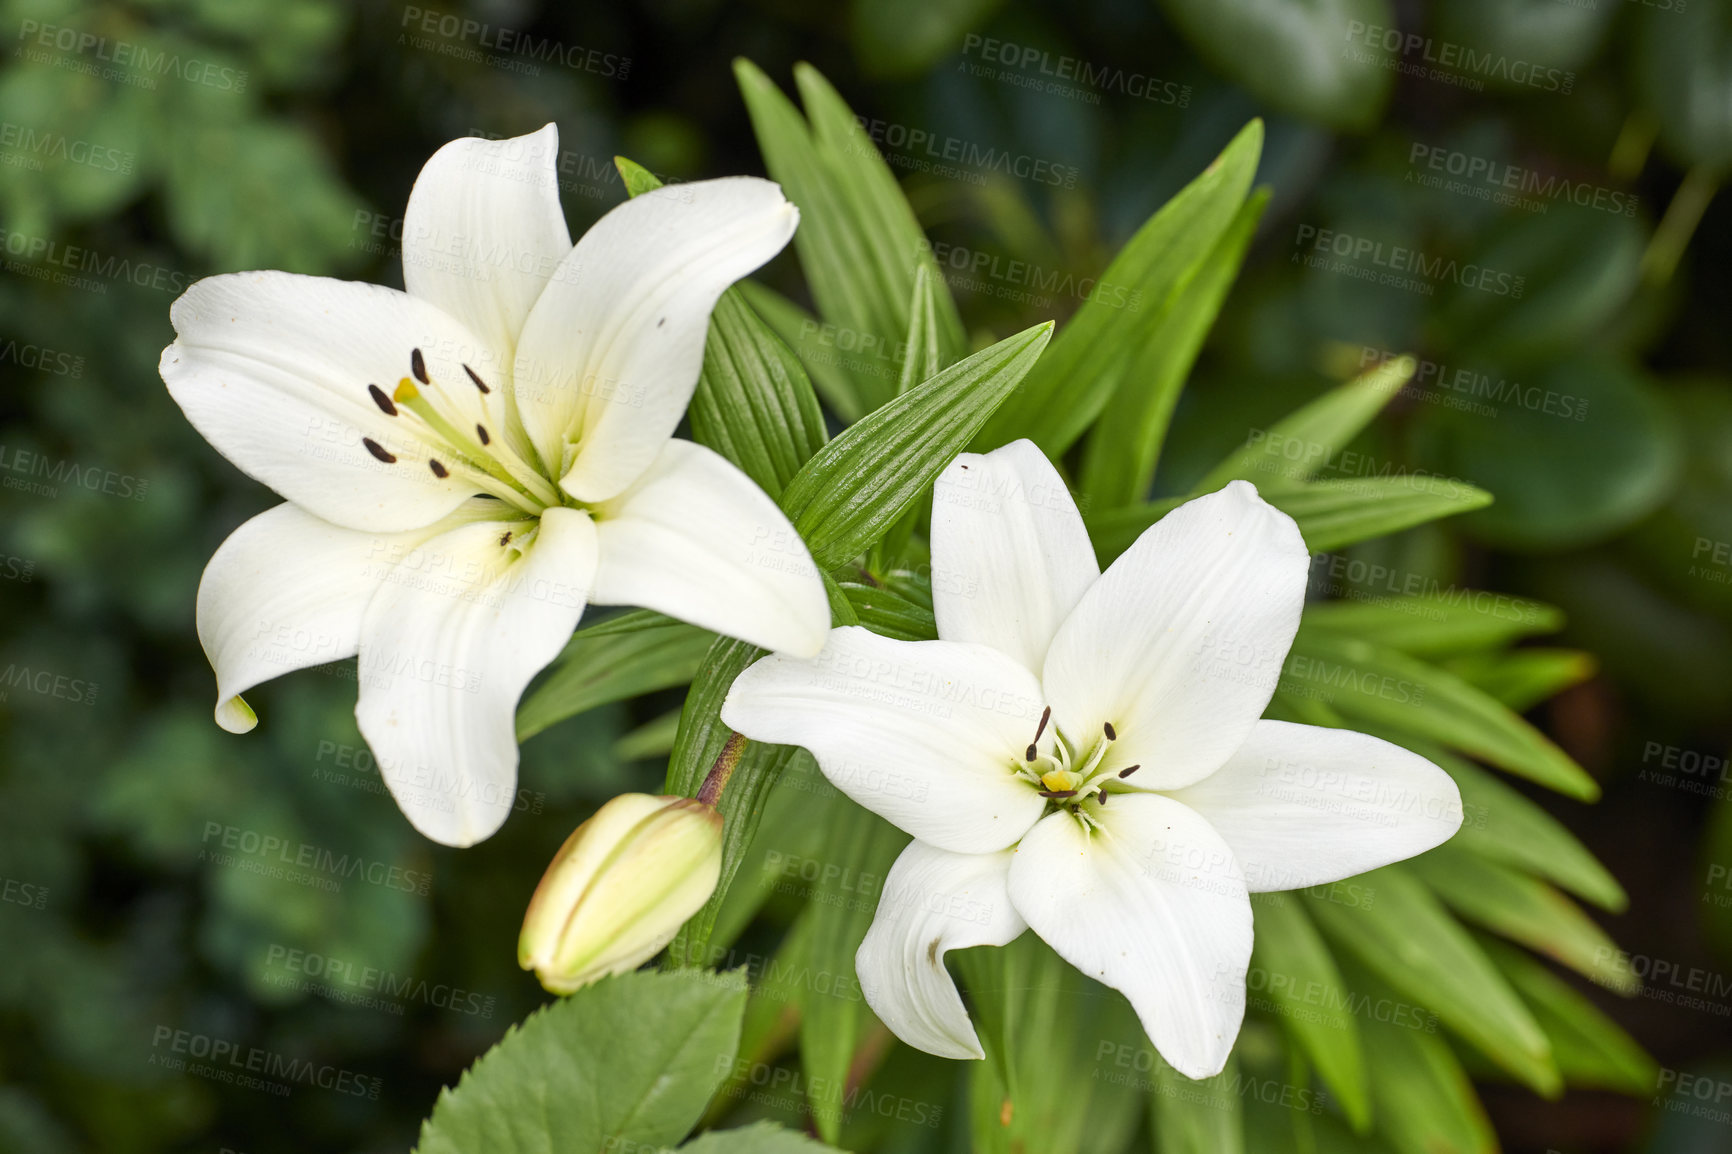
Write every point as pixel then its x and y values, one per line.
pixel 467 464
pixel 1082 753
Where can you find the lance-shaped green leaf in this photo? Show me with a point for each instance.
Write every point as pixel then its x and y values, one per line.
pixel 856 486
pixel 1410 941
pixel 1202 1117
pixel 1438 622
pixel 921 361
pixel 616 660
pixel 858 241
pixel 627 1063
pixel 1590 1048
pixel 889 613
pixel 858 852
pixel 816 345
pixel 1384 686
pixel 1523 678
pixel 1125 445
pixel 1101 342
pixel 1311 438
pixel 1301 984
pixel 1330 514
pixel 1524 909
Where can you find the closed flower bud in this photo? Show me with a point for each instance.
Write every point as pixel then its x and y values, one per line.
pixel 620 888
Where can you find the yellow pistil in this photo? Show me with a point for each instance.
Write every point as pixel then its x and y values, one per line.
pixel 1059 780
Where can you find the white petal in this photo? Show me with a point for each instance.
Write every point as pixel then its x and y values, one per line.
pixel 447 646
pixel 1010 554
pixel 697 539
pixel 933 902
pixel 273 369
pixel 1152 905
pixel 922 733
pixel 484 232
pixel 1180 643
pixel 1302 804
pixel 611 352
pixel 286 591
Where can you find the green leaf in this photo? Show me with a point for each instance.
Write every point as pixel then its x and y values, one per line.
pixel 1384 686
pixel 1330 514
pixel 1591 1050
pixel 889 613
pixel 1524 909
pixel 1683 68
pixel 1311 438
pixel 1303 59
pixel 858 852
pixel 814 343
pixel 1522 678
pixel 921 359
pixel 636 178
pixel 903 38
pixel 1099 346
pixel 758 1138
pixel 1410 941
pixel 616 660
pixel 1436 623
pixel 858 241
pixel 1125 445
pixel 1302 986
pixel 1197 1117
pixel 630 1060
pixel 856 486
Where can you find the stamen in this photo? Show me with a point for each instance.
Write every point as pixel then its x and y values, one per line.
pixel 418 366
pixel 1057 793
pixel 378 450
pixel 479 383
pixel 1045 716
pixel 380 399
pixel 1101 797
pixel 1029 756
pixel 1130 769
pixel 438 470
pixel 481 431
pixel 1111 735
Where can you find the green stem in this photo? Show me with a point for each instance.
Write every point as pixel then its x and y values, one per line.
pixel 1673 235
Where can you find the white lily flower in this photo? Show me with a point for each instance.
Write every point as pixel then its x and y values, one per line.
pixel 469 463
pixel 1081 753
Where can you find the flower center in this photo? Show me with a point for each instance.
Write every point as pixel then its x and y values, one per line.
pixel 480 457
pixel 1070 776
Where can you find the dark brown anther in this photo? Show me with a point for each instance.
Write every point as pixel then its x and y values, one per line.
pixel 479 383
pixel 481 431
pixel 378 450
pixel 1057 794
pixel 1045 716
pixel 1112 734
pixel 1030 755
pixel 379 398
pixel 418 366
pixel 438 470
pixel 1130 769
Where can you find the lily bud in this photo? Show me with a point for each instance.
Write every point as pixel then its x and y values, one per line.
pixel 620 888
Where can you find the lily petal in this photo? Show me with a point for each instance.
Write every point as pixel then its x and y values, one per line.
pixel 697 539
pixel 933 902
pixel 1010 554
pixel 610 354
pixel 286 591
pixel 276 371
pixel 922 733
pixel 484 233
pixel 1151 904
pixel 447 646
pixel 1180 643
pixel 1302 805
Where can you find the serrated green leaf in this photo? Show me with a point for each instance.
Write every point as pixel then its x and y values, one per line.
pixel 1197 1117
pixel 630 1060
pixel 1384 686
pixel 1099 345
pixel 1526 910
pixel 1590 1048
pixel 860 483
pixel 1125 445
pixel 1303 987
pixel 1410 941
pixel 1299 445
pixel 1436 623
pixel 758 1138
pixel 617 660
